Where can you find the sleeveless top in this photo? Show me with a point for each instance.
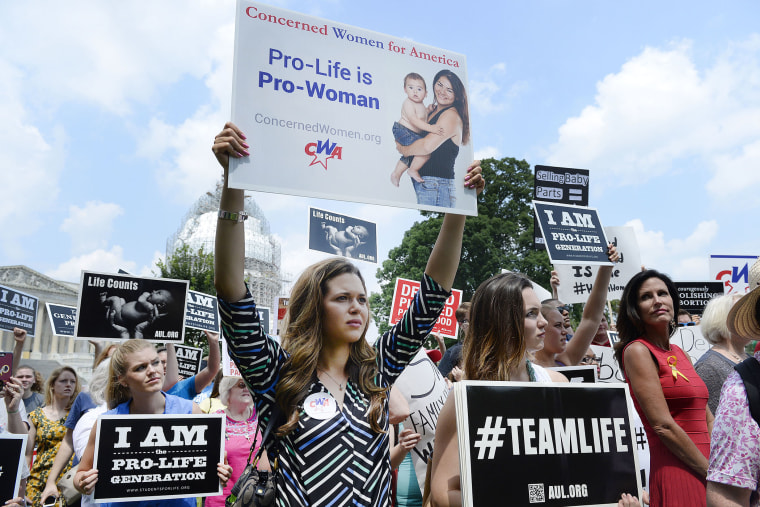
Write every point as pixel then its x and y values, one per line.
pixel 441 161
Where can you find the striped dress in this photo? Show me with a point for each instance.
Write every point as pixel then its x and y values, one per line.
pixel 338 460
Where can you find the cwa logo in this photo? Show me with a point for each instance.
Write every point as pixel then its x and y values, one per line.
pixel 322 151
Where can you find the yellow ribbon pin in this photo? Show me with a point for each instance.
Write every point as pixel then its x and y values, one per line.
pixel 672 365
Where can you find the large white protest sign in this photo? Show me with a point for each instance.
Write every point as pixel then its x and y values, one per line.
pixel 732 271
pixel 581 432
pixel 318 100
pixel 425 389
pixel 576 280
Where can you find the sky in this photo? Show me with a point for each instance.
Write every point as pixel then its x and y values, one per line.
pixel 108 111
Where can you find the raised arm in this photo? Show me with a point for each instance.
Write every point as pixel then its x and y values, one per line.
pixel 444 259
pixel 171 374
pixel 207 374
pixel 592 313
pixel 229 253
pixel 19 335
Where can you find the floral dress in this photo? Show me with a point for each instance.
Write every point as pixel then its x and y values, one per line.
pixel 48 440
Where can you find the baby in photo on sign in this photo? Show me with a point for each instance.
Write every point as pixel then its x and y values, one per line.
pixel 411 125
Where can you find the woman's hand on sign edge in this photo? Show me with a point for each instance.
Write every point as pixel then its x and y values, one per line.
pixel 474 177
pixel 230 142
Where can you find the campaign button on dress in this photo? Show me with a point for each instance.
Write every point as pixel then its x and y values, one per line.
pixel 320 406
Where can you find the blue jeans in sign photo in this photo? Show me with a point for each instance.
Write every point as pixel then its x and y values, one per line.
pixel 435 191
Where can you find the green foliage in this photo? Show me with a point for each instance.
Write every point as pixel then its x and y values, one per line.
pixel 198 269
pixel 500 237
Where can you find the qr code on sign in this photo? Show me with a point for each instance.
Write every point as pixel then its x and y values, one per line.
pixel 536 493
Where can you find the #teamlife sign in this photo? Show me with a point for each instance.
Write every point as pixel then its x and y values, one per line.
pixel 151 457
pixel 581 433
pixel 573 234
pixel 202 312
pixel 119 307
pixel 342 235
pixel 62 318
pixel 318 100
pixel 17 309
pixel 403 295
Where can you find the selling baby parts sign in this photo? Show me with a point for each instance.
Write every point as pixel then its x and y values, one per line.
pixel 403 295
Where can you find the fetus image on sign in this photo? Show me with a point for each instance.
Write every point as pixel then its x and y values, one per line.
pixel 131 318
pixel 345 242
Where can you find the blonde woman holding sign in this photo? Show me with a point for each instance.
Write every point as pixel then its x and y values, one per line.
pixel 136 376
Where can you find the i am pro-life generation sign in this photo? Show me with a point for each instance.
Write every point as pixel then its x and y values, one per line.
pixel 573 234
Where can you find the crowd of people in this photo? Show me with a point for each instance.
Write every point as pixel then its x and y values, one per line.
pixel 325 392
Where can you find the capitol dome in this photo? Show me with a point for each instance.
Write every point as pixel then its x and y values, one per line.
pixel 262 251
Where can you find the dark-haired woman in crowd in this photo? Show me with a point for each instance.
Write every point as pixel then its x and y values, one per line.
pixel 331 385
pixel 506 326
pixel 668 394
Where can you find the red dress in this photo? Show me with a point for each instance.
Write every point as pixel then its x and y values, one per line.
pixel 671 482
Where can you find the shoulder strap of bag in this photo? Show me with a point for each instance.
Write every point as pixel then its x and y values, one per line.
pixel 749 369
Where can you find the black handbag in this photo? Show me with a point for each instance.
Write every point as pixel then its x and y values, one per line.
pixel 256 488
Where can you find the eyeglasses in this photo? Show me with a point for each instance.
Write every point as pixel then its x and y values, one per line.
pixel 564 308
pixel 241 385
pixel 684 324
pixel 591 359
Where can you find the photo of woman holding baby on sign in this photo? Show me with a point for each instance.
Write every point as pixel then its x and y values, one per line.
pixel 429 160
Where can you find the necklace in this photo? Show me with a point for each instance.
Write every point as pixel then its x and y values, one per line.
pixel 340 384
pixel 731 355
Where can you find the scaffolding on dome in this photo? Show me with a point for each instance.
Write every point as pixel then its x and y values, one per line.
pixel 262 251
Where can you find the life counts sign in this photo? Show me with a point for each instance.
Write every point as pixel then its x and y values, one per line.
pixel 150 457
pixel 403 295
pixel 580 432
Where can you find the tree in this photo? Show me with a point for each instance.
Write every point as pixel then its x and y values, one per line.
pixel 198 269
pixel 500 237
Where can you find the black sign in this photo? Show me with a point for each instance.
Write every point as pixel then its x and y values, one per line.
pixel 572 233
pixel 342 235
pixel 17 310
pixel 694 296
pixel 123 306
pixel 188 360
pixel 62 318
pixel 202 312
pixel 264 316
pixel 145 457
pixel 585 373
pixel 558 184
pixel 14 447
pixel 563 444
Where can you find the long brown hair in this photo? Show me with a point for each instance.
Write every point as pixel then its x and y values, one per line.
pixel 495 343
pixel 115 392
pixel 460 100
pixel 303 341
pixel 51 381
